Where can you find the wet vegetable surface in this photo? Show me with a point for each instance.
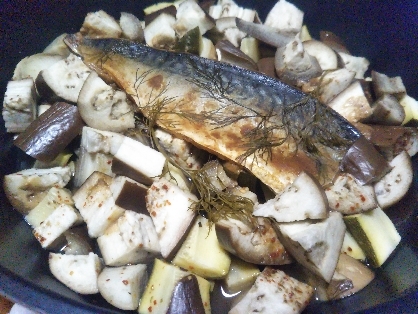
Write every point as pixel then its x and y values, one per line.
pixel 24 275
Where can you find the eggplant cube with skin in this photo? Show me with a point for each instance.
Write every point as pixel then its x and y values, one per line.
pixel 303 199
pixel 59 221
pixel 274 292
pixel 131 239
pixel 96 204
pixel 169 207
pixel 123 286
pixel 316 246
pixel 77 272
pixel 129 194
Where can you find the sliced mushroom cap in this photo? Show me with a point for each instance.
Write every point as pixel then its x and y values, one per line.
pixel 395 184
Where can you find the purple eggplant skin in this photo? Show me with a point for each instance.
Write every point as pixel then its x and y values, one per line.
pixel 273 129
pixel 186 297
pixel 51 132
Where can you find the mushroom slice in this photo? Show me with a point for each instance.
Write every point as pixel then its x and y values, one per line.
pixel 273 289
pixel 347 196
pixel 303 199
pixel 123 286
pixel 103 107
pixel 327 58
pixel 394 185
pixel 317 245
pixel 258 246
pixel 26 189
pixel 77 272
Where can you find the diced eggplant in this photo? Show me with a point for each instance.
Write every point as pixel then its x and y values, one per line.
pixel 330 84
pixel 186 297
pixel 54 197
pixel 228 53
pixel 60 220
pixel 27 188
pixel 132 239
pixel 156 7
pixel 159 291
pixel 201 252
pixel 99 24
pixel 160 33
pixel 241 275
pixel 96 204
pixel 260 246
pixel 63 79
pixel 352 103
pixel 19 105
pixel 303 199
pixel 326 57
pixel 387 111
pixel 167 202
pixel 395 184
pixel 274 292
pixel 285 16
pixel 359 274
pixel 57 47
pixel 190 42
pixel 410 106
pixel 294 65
pixel 77 272
pixel 375 233
pixel 207 49
pixel 48 135
pixel 333 41
pixel 129 194
pixel 347 196
pixel 317 245
pixel 364 162
pixel 265 33
pixel 97 141
pixel 190 15
pixel 131 27
pixel 123 286
pixel 104 108
pixel 169 9
pixel 382 84
pixel 29 67
pixel 266 66
pixel 359 65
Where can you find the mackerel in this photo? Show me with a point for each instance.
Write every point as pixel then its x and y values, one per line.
pixel 272 129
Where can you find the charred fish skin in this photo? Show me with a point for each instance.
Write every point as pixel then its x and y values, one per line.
pixel 274 130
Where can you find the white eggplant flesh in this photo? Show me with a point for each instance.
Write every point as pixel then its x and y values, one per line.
pixel 96 204
pixel 100 25
pixel 359 65
pixel 347 196
pixel 160 32
pixel 352 103
pixel 31 66
pixel 19 105
pixel 123 286
pixel 327 58
pixel 166 202
pixel 303 199
pixel 25 189
pixel 190 15
pixel 57 47
pixel 207 49
pixel 97 141
pixel 333 83
pixel 410 106
pixel 104 108
pixel 351 248
pixel 77 272
pixel 316 246
pixel 54 198
pixel 383 84
pixel 395 184
pixel 131 27
pixel 60 220
pixel 274 292
pixel 132 239
pixel 387 111
pixel 66 77
pixel 285 16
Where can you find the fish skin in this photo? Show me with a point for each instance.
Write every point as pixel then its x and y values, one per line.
pixel 225 109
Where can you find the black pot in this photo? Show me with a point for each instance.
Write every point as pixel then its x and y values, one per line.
pixel 383 31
